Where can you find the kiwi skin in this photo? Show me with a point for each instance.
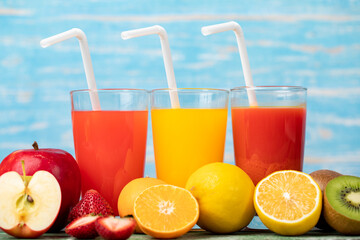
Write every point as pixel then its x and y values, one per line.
pixel 336 220
pixel 322 177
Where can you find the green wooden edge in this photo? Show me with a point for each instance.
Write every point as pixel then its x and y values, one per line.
pixel 200 234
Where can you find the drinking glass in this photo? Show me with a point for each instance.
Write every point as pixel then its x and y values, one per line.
pixel 190 136
pixel 110 143
pixel 270 136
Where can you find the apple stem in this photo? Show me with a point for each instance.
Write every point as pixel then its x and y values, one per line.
pixel 24 172
pixel 35 145
pixel 27 197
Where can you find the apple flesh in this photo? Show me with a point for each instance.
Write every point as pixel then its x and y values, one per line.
pixel 28 205
pixel 59 163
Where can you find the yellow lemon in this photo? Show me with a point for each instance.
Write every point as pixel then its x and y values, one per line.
pixel 288 202
pixel 225 196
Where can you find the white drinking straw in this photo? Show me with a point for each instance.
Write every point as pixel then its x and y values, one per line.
pixel 233 26
pixel 165 47
pixel 85 53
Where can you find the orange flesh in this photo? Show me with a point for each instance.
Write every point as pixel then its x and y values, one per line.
pixel 166 208
pixel 287 196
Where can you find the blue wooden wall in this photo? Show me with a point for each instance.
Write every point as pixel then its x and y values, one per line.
pixel 315 44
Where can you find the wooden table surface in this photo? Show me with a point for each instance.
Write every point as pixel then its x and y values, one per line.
pixel 200 234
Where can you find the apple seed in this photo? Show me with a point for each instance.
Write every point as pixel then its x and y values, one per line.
pixel 29 199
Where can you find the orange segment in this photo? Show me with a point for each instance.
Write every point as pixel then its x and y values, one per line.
pixel 288 202
pixel 166 211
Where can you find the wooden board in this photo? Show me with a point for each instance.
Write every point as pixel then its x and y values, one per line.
pixel 199 235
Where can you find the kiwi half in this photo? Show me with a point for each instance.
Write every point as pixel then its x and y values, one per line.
pixel 342 204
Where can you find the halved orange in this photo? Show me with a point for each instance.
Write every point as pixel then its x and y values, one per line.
pixel 166 211
pixel 130 192
pixel 288 202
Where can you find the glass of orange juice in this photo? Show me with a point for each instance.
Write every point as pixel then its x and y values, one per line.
pixel 110 143
pixel 190 136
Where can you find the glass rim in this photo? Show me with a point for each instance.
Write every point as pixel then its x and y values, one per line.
pixel 270 88
pixel 220 90
pixel 110 90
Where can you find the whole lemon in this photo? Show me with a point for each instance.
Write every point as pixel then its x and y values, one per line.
pixel 130 192
pixel 225 196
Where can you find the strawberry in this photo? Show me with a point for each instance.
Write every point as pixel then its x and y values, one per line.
pixel 91 203
pixel 83 227
pixel 111 228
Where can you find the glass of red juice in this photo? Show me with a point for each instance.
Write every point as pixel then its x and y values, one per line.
pixel 110 143
pixel 270 136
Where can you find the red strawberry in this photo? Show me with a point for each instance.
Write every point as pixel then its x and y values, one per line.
pixel 91 203
pixel 83 227
pixel 111 228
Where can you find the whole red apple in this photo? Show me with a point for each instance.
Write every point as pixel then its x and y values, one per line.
pixel 59 163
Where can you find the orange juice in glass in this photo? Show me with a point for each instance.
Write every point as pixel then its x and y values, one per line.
pixel 188 137
pixel 110 143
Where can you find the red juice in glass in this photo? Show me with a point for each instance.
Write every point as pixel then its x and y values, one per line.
pixel 269 138
pixel 110 149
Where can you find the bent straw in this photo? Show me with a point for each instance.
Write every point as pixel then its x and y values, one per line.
pixel 233 26
pixel 165 47
pixel 85 53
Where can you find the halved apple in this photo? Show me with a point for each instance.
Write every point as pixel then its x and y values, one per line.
pixel 29 205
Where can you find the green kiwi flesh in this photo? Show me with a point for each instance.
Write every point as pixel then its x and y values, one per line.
pixel 342 204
